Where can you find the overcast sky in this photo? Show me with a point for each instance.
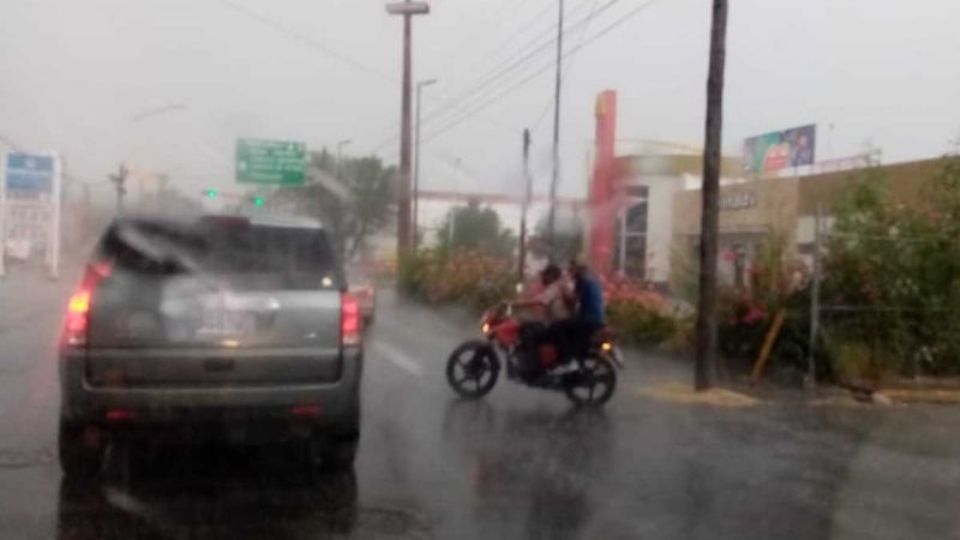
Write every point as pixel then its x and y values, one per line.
pixel 75 73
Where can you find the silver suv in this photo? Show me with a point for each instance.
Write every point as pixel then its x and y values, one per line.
pixel 225 327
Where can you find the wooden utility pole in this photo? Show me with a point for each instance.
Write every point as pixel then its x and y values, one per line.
pixel 554 180
pixel 707 305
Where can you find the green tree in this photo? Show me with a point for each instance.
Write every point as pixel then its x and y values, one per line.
pixel 355 198
pixel 898 266
pixel 478 228
pixel 568 237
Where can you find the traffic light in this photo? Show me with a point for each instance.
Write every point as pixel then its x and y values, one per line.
pixel 258 201
pixel 211 193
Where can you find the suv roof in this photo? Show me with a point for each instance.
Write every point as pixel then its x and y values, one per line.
pixel 292 222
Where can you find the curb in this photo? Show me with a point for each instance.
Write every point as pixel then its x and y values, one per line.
pixel 679 393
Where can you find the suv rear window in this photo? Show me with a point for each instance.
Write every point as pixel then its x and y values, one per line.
pixel 246 255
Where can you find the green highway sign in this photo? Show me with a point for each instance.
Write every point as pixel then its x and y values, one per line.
pixel 271 162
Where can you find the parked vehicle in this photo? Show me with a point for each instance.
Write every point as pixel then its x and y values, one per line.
pixel 590 377
pixel 228 328
pixel 362 288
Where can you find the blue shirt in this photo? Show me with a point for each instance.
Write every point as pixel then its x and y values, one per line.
pixel 590 296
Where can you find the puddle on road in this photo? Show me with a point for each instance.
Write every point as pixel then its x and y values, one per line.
pixel 379 522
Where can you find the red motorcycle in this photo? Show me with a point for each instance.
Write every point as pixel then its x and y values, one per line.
pixel 590 377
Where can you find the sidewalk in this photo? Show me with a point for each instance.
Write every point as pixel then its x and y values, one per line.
pixel 27 293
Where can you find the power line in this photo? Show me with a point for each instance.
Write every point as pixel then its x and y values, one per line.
pixel 533 21
pixel 499 71
pixel 568 67
pixel 511 66
pixel 609 28
pixel 455 55
pixel 306 40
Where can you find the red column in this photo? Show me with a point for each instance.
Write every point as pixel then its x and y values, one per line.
pixel 603 212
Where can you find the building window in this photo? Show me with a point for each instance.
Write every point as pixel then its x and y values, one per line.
pixel 632 256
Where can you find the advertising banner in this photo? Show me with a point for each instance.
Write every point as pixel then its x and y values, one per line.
pixel 780 150
pixel 30 189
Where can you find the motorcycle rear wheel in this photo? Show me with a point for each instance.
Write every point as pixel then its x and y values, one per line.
pixel 594 383
pixel 472 369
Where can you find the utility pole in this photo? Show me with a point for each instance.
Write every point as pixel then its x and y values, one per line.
pixel 119 181
pixel 407 9
pixel 416 164
pixel 339 167
pixel 3 208
pixel 810 379
pixel 527 192
pixel 707 305
pixel 552 215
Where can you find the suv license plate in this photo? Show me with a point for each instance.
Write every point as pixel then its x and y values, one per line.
pixel 218 322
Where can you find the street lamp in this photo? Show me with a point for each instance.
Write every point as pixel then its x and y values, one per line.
pixel 416 162
pixel 407 9
pixel 156 111
pixel 135 119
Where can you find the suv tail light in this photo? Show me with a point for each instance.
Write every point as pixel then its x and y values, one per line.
pixel 78 307
pixel 350 324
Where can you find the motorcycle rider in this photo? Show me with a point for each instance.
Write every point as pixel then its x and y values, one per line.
pixel 573 335
pixel 553 306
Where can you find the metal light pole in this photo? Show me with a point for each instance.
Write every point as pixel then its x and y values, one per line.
pixel 407 9
pixel 135 119
pixel 120 180
pixel 340 145
pixel 527 193
pixel 552 215
pixel 416 164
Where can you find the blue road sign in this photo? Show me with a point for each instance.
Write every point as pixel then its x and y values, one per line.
pixel 29 173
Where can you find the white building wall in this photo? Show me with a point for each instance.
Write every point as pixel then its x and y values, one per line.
pixel 660 224
pixel 660 217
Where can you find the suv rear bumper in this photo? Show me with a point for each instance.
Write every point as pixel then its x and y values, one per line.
pixel 249 412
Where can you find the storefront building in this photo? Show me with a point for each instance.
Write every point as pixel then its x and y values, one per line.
pixel 753 212
pixel 631 198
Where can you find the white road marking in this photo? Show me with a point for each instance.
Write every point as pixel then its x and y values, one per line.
pixel 398 357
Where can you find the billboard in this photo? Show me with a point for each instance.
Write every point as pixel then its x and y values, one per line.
pixel 30 188
pixel 780 149
pixel 29 174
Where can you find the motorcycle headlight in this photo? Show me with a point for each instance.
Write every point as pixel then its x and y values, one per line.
pixel 606 346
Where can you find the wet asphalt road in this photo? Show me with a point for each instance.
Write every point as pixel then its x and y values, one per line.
pixel 520 464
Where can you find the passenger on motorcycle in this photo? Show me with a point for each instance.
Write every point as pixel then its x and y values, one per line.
pixel 573 335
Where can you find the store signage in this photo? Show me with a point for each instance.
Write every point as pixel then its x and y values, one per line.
pixel 738 201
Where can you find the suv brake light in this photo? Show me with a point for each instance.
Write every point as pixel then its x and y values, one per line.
pixel 350 324
pixel 78 307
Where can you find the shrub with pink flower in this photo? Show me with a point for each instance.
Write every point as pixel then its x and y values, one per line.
pixel 460 276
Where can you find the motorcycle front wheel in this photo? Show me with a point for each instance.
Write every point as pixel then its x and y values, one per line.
pixel 472 369
pixel 593 383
